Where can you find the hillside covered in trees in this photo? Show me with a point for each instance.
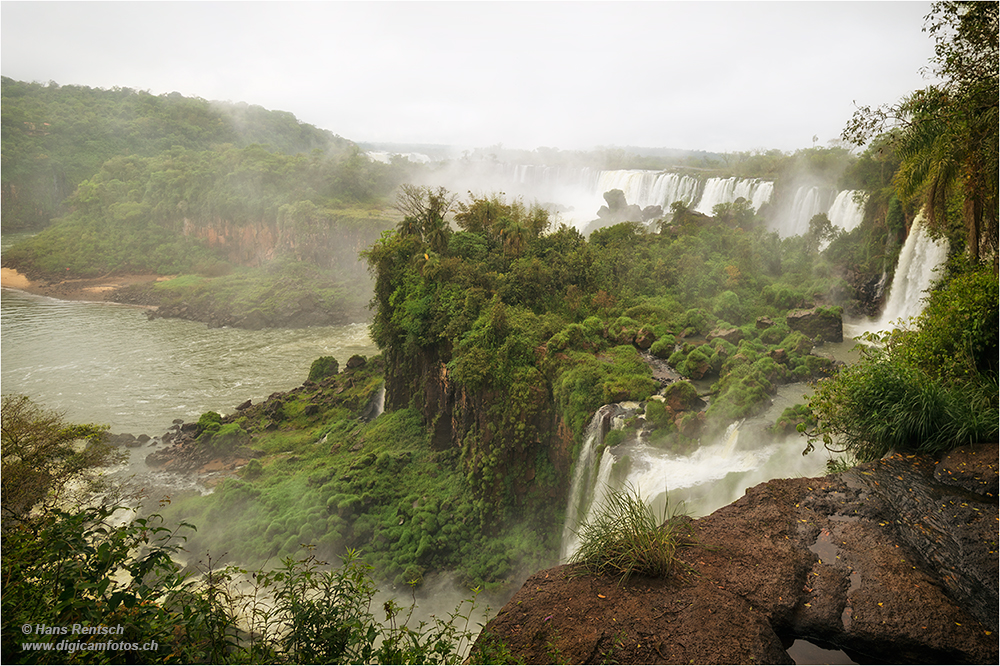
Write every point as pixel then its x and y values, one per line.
pixel 253 206
pixel 55 137
pixel 501 334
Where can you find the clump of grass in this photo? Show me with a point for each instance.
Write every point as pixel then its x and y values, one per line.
pixel 627 538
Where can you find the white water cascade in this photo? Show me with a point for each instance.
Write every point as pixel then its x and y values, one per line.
pixel 649 188
pixel 701 481
pixel 844 212
pixel 727 190
pixel 581 492
pixel 916 271
pixel 578 192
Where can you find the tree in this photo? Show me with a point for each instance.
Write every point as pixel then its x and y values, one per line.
pixel 42 453
pixel 946 135
pixel 820 229
pixel 424 209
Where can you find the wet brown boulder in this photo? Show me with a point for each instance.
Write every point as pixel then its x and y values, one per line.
pixel 827 324
pixel 730 335
pixel 883 561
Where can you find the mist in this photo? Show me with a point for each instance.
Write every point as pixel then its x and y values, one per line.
pixel 699 76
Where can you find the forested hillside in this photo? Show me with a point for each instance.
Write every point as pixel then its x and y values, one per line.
pixel 56 136
pixel 256 208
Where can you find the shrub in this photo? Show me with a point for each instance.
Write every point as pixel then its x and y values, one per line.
pixel 209 421
pixel 253 469
pixel 323 367
pixel 727 306
pixel 626 538
pixel 663 347
pixel 657 415
pixel 879 404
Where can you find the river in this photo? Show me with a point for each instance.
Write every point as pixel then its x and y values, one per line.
pixel 106 363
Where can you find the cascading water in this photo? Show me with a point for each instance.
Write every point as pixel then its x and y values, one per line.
pixel 844 212
pixel 793 217
pixel 711 476
pixel 649 188
pixel 581 492
pixel 579 193
pixel 728 190
pixel 916 271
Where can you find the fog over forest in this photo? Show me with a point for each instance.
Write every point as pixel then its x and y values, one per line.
pixel 322 319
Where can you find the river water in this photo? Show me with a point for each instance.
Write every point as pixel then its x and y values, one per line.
pixel 106 363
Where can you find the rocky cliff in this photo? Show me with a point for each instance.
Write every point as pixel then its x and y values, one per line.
pixel 893 562
pixel 328 241
pixel 503 456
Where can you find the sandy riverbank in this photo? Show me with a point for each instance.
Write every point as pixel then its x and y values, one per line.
pixel 82 289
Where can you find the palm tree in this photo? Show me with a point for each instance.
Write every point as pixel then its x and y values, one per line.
pixel 946 135
pixel 949 149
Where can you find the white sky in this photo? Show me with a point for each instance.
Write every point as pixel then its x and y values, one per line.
pixel 719 76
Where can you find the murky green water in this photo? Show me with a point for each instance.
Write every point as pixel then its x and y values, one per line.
pixel 106 363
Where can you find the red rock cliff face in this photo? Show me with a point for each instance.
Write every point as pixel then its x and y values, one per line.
pixel 255 243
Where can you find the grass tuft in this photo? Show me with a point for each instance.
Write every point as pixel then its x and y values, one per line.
pixel 626 538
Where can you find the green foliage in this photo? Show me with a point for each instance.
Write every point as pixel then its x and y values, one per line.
pixel 73 570
pixel 880 404
pixel 590 382
pixel 55 137
pixel 955 337
pixel 626 538
pixel 68 569
pixel 684 393
pixel 40 456
pixel 727 306
pixel 209 422
pixel 929 389
pixel 792 418
pixel 945 136
pixel 323 367
pixel 162 213
pixel 657 415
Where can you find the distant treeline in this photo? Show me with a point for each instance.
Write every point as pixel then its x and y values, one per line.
pixel 55 137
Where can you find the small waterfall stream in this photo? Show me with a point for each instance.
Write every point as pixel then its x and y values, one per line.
pixel 699 482
pixel 916 271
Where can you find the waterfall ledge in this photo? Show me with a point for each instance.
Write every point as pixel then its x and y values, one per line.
pixel 886 561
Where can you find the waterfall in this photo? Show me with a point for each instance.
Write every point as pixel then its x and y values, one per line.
pixel 713 475
pixel 728 190
pixel 916 268
pixel 582 189
pixel 580 192
pixel 844 213
pixel 379 402
pixel 649 188
pixel 581 492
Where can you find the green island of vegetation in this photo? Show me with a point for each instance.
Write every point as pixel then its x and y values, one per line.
pixel 501 334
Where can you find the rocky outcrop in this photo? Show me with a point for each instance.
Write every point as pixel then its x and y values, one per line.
pixel 298 313
pixel 618 209
pixel 186 449
pixel 890 562
pixel 730 335
pixel 332 241
pixel 826 324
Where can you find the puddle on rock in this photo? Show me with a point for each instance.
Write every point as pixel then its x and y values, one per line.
pixel 803 651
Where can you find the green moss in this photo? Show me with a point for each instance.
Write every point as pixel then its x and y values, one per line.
pixel 657 415
pixel 323 367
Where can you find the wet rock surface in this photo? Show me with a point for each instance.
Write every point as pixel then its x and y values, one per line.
pixel 821 323
pixel 885 562
pixel 185 450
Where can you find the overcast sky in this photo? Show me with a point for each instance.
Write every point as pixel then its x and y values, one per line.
pixel 719 76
